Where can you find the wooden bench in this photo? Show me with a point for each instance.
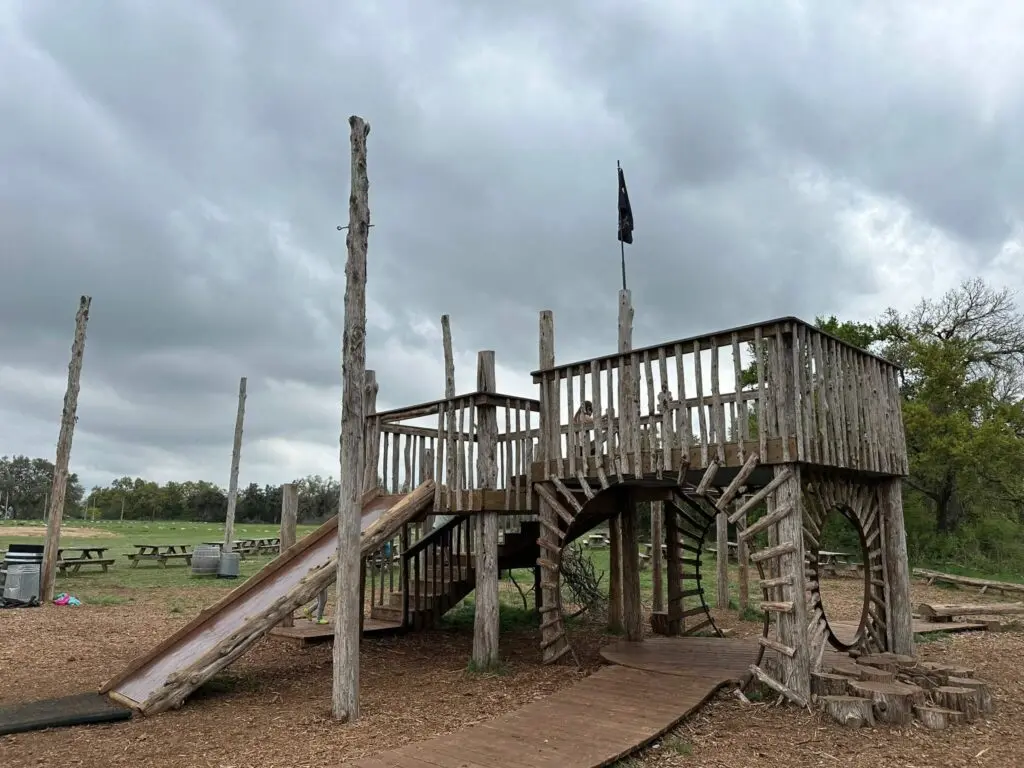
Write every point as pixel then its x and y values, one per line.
pixel 161 558
pixel 161 553
pixel 76 563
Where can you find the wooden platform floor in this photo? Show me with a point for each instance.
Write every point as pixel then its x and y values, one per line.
pixel 306 633
pixel 597 721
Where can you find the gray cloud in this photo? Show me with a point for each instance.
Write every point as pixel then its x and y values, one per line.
pixel 187 164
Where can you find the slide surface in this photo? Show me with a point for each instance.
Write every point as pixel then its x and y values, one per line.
pixel 166 674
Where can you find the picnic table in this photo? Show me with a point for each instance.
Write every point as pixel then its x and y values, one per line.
pixel 161 553
pixel 75 557
pixel 831 561
pixel 253 546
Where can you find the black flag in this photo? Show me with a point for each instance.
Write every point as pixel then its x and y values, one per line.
pixel 625 212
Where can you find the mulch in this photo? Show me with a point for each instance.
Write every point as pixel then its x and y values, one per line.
pixel 272 708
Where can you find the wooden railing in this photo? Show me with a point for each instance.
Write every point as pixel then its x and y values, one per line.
pixel 782 388
pixel 434 569
pixel 406 454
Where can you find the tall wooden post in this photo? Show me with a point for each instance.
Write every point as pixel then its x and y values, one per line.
pixel 450 424
pixel 345 694
pixel 722 561
pixel 236 457
pixel 897 567
pixel 550 522
pixel 289 524
pixel 615 587
pixel 59 487
pixel 628 556
pixel 486 621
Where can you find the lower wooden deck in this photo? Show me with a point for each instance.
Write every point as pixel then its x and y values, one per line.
pixel 305 633
pixel 648 690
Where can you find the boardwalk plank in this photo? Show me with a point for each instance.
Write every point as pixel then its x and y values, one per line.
pixel 597 721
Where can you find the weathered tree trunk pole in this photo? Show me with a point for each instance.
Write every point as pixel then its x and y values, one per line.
pixel 58 490
pixel 550 522
pixel 657 539
pixel 486 620
pixel 629 542
pixel 722 560
pixel 625 342
pixel 900 621
pixel 345 695
pixel 236 457
pixel 450 422
pixel 289 524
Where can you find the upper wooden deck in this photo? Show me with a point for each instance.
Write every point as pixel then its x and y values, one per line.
pixel 805 397
pixel 783 388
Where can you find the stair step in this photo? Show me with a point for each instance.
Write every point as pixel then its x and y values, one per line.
pixel 386 613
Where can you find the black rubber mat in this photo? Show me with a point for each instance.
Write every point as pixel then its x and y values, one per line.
pixel 79 709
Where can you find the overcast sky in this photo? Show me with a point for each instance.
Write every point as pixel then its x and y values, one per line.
pixel 186 163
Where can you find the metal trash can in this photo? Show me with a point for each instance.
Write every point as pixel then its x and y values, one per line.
pixel 205 560
pixel 24 564
pixel 227 568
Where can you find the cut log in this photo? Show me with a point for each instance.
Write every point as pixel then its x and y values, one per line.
pixel 875 674
pixel 945 612
pixel 937 718
pixel 960 699
pixel 826 684
pixel 943 672
pixel 890 662
pixel 969 581
pixel 984 694
pixel 893 702
pixel 851 711
pixel 845 668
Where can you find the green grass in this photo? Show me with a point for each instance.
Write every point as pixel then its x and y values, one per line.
pixel 96 588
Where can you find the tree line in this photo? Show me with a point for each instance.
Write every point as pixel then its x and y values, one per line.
pixel 25 487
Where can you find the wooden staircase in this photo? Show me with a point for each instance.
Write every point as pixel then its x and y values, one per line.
pixel 438 571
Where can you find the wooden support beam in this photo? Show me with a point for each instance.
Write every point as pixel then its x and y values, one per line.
pixel 632 611
pixel 743 557
pixel 796 670
pixel 289 524
pixel 348 608
pixel 897 568
pixel 674 570
pixel 486 620
pixel 657 540
pixel 722 560
pixel 59 486
pixel 236 457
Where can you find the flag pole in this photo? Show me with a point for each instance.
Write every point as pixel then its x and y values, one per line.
pixel 622 244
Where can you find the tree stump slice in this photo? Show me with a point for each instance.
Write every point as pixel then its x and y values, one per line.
pixel 893 702
pixel 845 668
pixel 826 684
pixel 985 704
pixel 891 662
pixel 937 718
pixel 960 699
pixel 875 675
pixel 850 711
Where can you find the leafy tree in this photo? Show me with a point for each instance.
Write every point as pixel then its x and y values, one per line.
pixel 25 486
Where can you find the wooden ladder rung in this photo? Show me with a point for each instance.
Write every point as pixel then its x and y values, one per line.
pixel 774 645
pixel 567 494
pixel 785 548
pixel 786 607
pixel 709 477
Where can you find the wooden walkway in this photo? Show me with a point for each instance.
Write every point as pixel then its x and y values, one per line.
pixel 650 688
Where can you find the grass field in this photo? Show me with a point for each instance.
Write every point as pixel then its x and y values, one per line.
pixel 93 586
pixel 122 582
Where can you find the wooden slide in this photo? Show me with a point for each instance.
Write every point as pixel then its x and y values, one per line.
pixel 165 676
